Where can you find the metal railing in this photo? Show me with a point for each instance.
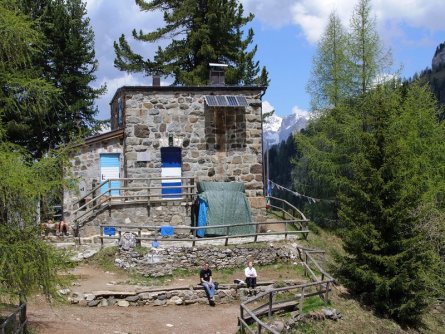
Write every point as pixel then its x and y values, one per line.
pixel 16 322
pixel 131 191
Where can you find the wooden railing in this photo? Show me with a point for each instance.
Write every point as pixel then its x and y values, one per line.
pixel 192 230
pixel 16 322
pixel 130 191
pixel 321 286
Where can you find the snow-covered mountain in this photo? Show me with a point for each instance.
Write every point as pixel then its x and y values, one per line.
pixel 271 130
pixel 277 129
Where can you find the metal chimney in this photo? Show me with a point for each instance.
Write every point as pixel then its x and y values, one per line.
pixel 216 74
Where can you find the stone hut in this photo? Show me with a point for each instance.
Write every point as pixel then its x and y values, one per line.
pixel 166 136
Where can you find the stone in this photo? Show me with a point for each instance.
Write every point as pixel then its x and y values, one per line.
pixel 103 303
pixel 93 303
pixel 141 131
pixel 132 298
pixel 145 296
pixel 83 302
pixel 89 297
pixel 64 292
pixel 162 296
pixel 123 303
pixel 158 302
pixel 278 325
pixel 175 300
pixel 176 220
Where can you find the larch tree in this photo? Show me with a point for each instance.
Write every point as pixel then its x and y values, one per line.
pixel 330 79
pixel 201 32
pixel 369 60
pixel 27 263
pixel 375 162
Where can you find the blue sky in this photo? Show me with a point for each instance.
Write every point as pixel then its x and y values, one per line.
pixel 286 32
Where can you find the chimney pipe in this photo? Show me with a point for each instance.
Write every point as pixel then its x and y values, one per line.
pixel 156 80
pixel 216 74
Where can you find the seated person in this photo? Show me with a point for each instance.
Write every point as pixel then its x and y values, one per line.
pixel 205 276
pixel 62 228
pixel 251 275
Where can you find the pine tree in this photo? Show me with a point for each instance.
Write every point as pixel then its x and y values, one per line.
pixel 390 264
pixel 201 32
pixel 68 62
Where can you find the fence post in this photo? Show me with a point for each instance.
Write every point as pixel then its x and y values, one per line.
pixel 190 190
pixel 301 300
pixel 227 236
pixel 285 230
pixel 23 318
pixel 259 329
pixel 326 298
pixel 139 241
pixel 270 304
pixel 241 319
pixel 101 236
pixel 194 237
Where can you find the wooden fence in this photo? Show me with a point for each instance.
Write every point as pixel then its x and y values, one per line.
pixel 289 228
pixel 16 322
pixel 143 191
pixel 320 286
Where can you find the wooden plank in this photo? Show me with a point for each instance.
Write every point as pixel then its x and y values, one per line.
pixel 288 305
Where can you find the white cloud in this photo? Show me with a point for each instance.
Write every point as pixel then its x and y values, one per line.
pixel 267 107
pixel 268 12
pixel 113 84
pixel 92 5
pixel 311 15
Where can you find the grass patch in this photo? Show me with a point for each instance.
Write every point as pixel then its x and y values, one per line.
pixel 105 258
pixel 313 303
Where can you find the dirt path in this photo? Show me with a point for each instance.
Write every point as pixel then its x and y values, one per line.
pixel 69 319
pixel 197 318
pixel 72 319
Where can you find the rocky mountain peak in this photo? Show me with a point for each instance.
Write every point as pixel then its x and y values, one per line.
pixel 276 129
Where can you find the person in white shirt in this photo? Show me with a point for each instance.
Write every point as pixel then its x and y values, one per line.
pixel 251 275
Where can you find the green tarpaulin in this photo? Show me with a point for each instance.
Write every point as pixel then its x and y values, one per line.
pixel 227 204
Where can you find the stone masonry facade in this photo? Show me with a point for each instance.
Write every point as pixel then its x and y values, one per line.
pixel 216 143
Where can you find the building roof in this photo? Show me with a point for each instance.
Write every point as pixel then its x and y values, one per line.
pixel 150 89
pixel 103 136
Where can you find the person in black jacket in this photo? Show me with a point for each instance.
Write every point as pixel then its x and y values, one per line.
pixel 205 276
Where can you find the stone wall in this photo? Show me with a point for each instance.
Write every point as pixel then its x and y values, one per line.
pixel 227 293
pixel 217 144
pixel 167 260
pixel 171 213
pixel 85 169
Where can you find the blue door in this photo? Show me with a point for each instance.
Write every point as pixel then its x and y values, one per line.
pixel 109 169
pixel 171 172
